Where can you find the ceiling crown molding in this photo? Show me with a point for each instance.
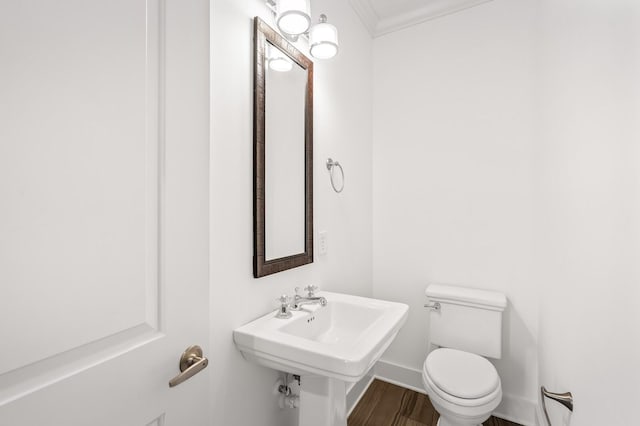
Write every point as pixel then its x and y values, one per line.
pixel 367 14
pixel 378 25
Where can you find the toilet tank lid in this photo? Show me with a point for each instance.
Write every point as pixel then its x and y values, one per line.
pixel 474 296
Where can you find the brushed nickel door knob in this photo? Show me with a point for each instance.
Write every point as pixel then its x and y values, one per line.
pixel 192 362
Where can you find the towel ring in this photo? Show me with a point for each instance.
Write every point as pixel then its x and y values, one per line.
pixel 330 166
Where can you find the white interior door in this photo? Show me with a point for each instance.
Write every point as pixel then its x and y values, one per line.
pixel 103 210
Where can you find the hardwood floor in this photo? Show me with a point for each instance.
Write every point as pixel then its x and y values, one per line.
pixel 384 404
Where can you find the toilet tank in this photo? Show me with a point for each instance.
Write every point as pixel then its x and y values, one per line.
pixel 469 319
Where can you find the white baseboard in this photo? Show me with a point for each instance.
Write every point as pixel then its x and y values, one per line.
pixel 517 409
pixel 512 408
pixel 399 375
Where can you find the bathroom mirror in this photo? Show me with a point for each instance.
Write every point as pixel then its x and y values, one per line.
pixel 283 154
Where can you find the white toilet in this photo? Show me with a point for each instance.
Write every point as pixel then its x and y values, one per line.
pixel 465 326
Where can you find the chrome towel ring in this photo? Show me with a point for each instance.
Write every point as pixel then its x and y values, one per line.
pixel 330 165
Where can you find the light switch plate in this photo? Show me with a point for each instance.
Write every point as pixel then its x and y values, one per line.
pixel 323 242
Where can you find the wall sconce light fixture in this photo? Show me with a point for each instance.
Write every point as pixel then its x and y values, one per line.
pixel 323 39
pixel 293 19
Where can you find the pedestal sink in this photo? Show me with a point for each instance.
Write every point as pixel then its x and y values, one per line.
pixel 327 346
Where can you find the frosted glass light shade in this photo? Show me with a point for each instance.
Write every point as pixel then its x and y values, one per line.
pixel 280 64
pixel 277 60
pixel 323 41
pixel 293 16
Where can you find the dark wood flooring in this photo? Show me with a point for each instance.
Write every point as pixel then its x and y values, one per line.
pixel 384 404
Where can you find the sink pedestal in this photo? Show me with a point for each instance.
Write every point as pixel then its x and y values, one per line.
pixel 323 401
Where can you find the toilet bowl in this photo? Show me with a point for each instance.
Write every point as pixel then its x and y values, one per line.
pixel 463 387
pixel 465 327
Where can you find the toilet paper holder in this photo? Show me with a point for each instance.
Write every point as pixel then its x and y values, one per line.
pixel 565 399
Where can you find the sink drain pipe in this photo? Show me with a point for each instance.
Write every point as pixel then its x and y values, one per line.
pixel 287 398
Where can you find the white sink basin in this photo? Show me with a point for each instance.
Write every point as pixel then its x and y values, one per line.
pixel 341 340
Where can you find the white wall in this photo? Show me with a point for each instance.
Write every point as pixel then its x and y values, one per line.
pixel 242 392
pixel 453 177
pixel 588 207
pixel 506 156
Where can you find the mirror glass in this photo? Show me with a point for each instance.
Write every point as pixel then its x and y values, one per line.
pixel 285 83
pixel 283 154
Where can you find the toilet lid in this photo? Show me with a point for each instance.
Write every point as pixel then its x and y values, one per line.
pixel 461 374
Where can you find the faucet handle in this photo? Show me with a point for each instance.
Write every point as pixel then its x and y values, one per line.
pixel 311 289
pixel 283 311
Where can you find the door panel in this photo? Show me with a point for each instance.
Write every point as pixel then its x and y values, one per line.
pixel 103 182
pixel 83 224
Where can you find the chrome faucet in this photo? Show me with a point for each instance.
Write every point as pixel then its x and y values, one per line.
pixel 285 307
pixel 309 299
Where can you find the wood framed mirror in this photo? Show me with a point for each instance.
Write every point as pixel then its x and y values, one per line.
pixel 282 155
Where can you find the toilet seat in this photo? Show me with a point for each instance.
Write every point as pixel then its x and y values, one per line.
pixel 435 392
pixel 461 374
pixel 460 411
